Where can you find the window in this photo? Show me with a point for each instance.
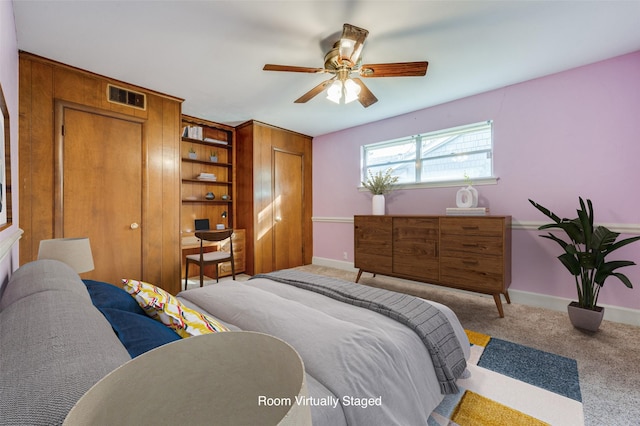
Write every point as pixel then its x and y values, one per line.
pixel 437 157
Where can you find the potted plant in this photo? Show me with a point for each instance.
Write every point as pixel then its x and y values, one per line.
pixel 584 256
pixel 192 153
pixel 379 185
pixel 214 156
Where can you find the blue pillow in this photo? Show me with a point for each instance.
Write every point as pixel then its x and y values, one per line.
pixel 138 333
pixel 105 295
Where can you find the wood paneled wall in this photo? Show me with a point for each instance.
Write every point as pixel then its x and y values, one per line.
pixel 256 146
pixel 42 83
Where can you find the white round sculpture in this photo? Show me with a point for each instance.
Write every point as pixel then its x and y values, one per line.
pixel 467 197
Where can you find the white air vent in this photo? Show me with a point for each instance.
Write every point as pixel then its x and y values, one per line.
pixel 122 96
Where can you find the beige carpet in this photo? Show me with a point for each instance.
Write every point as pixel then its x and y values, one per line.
pixel 608 360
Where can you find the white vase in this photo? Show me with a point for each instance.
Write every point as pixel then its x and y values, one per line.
pixel 377 204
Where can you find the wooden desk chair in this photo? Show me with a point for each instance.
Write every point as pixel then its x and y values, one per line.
pixel 213 257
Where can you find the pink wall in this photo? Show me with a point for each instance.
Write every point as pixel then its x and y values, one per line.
pixel 575 133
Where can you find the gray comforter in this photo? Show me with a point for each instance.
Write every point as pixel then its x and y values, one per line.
pixel 428 322
pixel 363 368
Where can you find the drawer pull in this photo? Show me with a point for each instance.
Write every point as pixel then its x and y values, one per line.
pixel 470 262
pixel 470 228
pixel 470 245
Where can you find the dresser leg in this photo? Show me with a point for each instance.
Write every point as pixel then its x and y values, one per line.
pixel 506 296
pixel 498 301
pixel 359 274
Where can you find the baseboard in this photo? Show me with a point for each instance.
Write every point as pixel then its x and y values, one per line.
pixel 611 313
pixel 331 263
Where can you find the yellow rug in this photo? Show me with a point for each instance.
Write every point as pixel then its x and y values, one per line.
pixel 511 384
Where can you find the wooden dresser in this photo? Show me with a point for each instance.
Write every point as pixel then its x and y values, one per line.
pixel 465 252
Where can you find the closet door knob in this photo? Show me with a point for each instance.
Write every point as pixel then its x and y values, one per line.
pixel 134 225
pixel 278 218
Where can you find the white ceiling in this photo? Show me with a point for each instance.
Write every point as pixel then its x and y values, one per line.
pixel 211 53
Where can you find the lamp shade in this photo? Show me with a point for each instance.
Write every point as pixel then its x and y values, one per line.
pixel 229 378
pixel 334 92
pixel 351 91
pixel 75 252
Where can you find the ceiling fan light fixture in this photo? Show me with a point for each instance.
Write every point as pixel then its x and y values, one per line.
pixel 343 60
pixel 334 92
pixel 346 48
pixel 351 91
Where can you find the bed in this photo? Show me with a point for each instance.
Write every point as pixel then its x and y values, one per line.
pixel 362 365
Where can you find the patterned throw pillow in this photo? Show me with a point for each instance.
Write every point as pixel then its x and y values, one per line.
pixel 164 307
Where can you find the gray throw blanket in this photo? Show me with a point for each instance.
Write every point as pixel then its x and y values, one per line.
pixel 427 321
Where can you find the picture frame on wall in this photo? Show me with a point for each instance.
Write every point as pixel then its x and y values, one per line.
pixel 5 165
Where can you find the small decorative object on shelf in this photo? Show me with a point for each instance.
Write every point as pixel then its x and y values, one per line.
pixel 210 196
pixel 192 153
pixel 225 197
pixel 192 132
pixel 467 197
pixel 207 176
pixel 379 185
pixel 213 157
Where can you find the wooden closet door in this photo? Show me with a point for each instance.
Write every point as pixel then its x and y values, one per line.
pixel 288 209
pixel 100 190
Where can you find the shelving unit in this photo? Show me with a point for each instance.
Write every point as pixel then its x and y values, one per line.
pixel 195 205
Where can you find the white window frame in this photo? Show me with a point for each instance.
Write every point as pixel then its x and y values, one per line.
pixel 417 161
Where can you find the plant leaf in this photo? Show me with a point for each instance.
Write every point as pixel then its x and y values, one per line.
pixel 623 278
pixel 571 228
pixel 603 238
pixel 546 211
pixel 586 224
pixel 622 243
pixel 606 269
pixel 571 263
pixel 562 243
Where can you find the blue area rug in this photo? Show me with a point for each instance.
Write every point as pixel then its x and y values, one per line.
pixel 511 384
pixel 542 369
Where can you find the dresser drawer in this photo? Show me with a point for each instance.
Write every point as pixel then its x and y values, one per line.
pixel 472 226
pixel 485 275
pixel 373 243
pixel 465 245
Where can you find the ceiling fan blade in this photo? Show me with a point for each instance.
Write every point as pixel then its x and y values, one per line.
pixel 313 92
pixel 289 68
pixel 398 69
pixel 365 97
pixel 351 42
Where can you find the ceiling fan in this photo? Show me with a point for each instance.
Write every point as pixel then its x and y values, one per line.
pixel 342 61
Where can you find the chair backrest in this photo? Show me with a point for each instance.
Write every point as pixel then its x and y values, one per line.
pixel 214 235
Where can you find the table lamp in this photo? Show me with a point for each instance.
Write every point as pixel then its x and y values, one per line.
pixel 75 252
pixel 228 379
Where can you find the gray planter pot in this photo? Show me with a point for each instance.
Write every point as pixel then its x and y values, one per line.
pixel 585 319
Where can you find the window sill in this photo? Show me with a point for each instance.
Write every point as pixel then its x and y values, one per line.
pixel 442 184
